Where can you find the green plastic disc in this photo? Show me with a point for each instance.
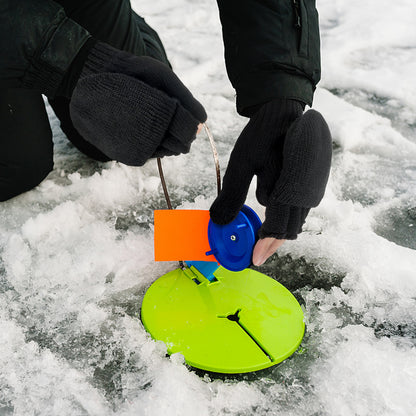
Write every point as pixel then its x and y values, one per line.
pixel 240 322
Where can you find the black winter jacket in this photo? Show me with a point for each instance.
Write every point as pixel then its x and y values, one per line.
pixel 271 47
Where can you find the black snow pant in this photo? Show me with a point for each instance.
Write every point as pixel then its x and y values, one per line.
pixel 26 148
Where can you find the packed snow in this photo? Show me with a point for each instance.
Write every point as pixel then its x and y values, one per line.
pixel 76 253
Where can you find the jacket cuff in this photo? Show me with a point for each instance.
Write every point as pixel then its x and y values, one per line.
pixel 261 86
pixel 48 67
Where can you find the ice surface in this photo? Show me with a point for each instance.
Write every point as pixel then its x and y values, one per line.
pixel 76 252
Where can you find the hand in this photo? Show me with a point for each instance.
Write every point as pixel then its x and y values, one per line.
pixel 133 108
pixel 290 154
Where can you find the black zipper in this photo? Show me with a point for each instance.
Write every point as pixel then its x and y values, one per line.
pixel 296 8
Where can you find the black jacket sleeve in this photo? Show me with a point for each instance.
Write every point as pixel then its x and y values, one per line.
pixel 38 42
pixel 272 50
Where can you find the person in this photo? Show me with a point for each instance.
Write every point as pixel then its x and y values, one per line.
pixel 107 77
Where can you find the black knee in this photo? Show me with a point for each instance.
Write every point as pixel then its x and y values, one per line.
pixel 18 178
pixel 26 147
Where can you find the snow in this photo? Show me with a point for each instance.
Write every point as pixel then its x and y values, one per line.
pixel 76 253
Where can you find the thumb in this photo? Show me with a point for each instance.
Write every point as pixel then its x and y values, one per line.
pixel 231 199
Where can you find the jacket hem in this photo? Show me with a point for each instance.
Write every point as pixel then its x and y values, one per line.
pixel 260 87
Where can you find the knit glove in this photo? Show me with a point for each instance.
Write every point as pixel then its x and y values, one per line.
pixel 291 155
pixel 132 107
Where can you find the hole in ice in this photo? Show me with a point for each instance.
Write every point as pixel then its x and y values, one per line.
pixel 295 273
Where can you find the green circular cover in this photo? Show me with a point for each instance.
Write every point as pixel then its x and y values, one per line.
pixel 241 322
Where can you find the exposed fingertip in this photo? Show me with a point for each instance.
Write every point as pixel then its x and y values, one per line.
pixel 258 260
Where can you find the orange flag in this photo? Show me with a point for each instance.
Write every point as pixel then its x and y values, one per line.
pixel 181 234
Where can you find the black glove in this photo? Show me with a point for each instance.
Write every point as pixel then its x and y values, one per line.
pixel 133 108
pixel 291 155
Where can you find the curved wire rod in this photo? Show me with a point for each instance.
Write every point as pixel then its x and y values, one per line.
pixel 217 170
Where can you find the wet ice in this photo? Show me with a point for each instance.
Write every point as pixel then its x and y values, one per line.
pixel 76 252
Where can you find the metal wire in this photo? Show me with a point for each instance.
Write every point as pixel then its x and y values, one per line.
pixel 217 170
pixel 162 179
pixel 216 159
pixel 216 162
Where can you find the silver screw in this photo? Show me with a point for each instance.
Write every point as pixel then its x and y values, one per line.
pixel 233 237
